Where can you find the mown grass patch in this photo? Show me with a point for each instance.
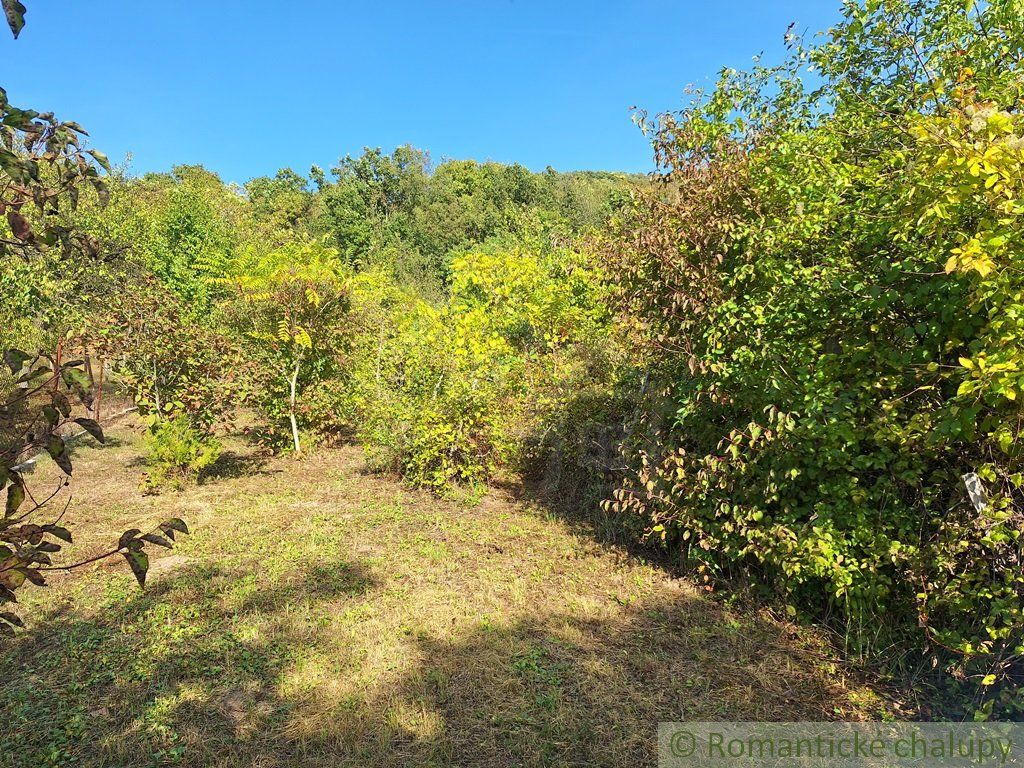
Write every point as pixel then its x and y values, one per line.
pixel 321 616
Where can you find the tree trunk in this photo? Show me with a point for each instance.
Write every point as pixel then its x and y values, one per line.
pixel 156 392
pixel 292 385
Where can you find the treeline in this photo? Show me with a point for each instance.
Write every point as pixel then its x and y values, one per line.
pixel 793 357
pixel 333 305
pixel 395 211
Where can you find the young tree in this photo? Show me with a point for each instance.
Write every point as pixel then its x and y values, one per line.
pixel 289 303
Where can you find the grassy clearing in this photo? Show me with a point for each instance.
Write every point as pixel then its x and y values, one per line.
pixel 323 616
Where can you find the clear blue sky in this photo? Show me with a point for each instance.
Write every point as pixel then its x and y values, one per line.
pixel 246 87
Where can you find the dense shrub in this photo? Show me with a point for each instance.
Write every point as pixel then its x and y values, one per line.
pixel 171 364
pixel 177 452
pixel 827 288
pixel 445 394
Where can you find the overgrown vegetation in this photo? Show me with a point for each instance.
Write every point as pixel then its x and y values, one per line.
pixel 827 287
pixel 783 358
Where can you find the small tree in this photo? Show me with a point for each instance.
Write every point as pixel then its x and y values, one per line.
pixel 184 377
pixel 289 303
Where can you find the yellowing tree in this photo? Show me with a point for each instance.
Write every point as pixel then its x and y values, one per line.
pixel 290 304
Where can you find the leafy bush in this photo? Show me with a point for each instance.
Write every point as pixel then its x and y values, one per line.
pixel 422 401
pixel 172 365
pixel 826 286
pixel 442 394
pixel 289 304
pixel 177 452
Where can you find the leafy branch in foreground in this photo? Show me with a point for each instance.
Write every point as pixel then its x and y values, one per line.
pixel 15 13
pixel 36 413
pixel 43 169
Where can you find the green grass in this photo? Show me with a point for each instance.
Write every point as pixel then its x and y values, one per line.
pixel 319 615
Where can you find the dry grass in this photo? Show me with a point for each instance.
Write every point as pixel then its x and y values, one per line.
pixel 322 616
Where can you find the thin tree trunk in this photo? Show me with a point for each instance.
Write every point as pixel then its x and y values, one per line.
pixel 292 385
pixel 99 390
pixel 156 392
pixel 91 409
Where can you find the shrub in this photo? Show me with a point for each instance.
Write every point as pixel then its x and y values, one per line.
pixel 826 288
pixel 178 452
pixel 442 394
pixel 289 305
pixel 172 365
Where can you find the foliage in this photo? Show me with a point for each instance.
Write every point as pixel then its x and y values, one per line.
pixel 441 394
pixel 289 305
pixel 172 365
pixel 178 451
pixel 398 213
pixel 283 202
pixel 826 290
pixel 43 171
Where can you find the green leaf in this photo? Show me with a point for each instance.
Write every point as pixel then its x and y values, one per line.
pixel 33 576
pixel 156 538
pixel 139 562
pixel 175 524
pixel 59 453
pixel 100 158
pixel 128 537
pixel 92 427
pixel 61 533
pixel 16 359
pixel 15 12
pixel 15 497
pixel 78 382
pixel 51 415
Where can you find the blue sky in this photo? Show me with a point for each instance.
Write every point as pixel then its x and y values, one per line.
pixel 248 86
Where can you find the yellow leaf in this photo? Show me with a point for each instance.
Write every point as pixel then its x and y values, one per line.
pixel 983 266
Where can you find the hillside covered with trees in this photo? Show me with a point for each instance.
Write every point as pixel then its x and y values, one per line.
pixel 786 369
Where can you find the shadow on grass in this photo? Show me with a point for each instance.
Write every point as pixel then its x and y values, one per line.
pixel 229 465
pixel 75 448
pixel 212 667
pixel 563 691
pixel 232 464
pixel 575 460
pixel 186 656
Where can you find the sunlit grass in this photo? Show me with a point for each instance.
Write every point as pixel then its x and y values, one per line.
pixel 322 616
